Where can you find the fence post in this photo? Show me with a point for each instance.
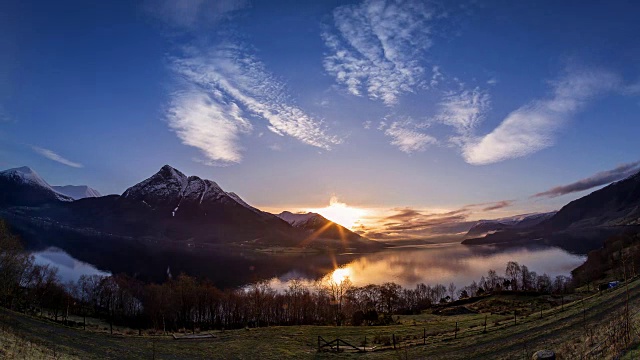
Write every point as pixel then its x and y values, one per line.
pixel 455 333
pixel 394 341
pixel 485 324
pixel 515 319
pixel 424 336
pixel 364 347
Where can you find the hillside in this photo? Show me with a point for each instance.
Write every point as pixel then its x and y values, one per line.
pixel 583 223
pixel 317 226
pixel 566 329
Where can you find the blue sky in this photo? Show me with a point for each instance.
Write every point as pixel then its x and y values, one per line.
pixel 384 104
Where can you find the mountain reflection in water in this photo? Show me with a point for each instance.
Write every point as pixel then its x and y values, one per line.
pixel 407 266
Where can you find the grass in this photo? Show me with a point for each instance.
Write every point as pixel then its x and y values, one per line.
pixel 575 328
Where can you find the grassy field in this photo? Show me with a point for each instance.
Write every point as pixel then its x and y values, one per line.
pixel 582 328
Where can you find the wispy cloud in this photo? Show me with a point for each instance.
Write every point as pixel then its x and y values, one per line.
pixel 409 223
pixel 595 180
pixel 376 47
pixel 464 111
pixel 230 87
pixel 408 138
pixel 498 205
pixel 49 154
pixel 192 14
pixel 533 127
pixel 208 124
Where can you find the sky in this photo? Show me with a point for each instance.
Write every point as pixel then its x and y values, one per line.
pixel 413 109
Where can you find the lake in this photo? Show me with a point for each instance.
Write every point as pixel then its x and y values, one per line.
pixel 407 266
pixel 69 269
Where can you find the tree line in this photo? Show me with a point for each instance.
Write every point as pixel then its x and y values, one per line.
pixel 185 302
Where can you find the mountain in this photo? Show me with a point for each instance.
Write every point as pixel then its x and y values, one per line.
pixel 167 208
pixel 583 224
pixel 24 187
pixel 614 205
pixel 484 227
pixel 76 192
pixel 318 227
pixel 313 222
pixel 302 219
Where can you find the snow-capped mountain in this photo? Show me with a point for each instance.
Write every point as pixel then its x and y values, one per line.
pixel 170 187
pixel 319 226
pixel 167 208
pixel 239 200
pixel 23 186
pixel 77 192
pixel 300 219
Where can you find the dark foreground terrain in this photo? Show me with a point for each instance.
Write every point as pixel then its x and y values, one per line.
pixel 588 326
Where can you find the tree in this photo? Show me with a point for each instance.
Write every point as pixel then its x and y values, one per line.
pixel 15 266
pixel 452 291
pixel 512 273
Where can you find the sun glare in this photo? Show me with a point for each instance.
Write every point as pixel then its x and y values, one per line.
pixel 341 274
pixel 341 213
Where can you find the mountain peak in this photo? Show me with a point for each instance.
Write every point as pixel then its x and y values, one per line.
pixel 168 171
pixel 25 174
pixel 297 219
pixel 27 188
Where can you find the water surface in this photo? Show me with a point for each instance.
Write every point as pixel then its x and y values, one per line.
pixel 69 269
pixel 407 266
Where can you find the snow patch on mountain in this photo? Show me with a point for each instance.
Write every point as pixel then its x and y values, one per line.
pixel 298 219
pixel 25 175
pixel 239 200
pixel 77 192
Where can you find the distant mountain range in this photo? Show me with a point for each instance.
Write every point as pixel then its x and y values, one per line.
pixel 169 207
pixel 485 227
pixel 23 186
pixel 583 222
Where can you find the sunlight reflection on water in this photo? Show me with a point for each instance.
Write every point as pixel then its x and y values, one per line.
pixel 443 264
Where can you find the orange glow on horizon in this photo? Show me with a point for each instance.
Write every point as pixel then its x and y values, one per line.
pixel 341 213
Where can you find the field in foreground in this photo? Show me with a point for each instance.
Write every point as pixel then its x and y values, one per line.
pixel 589 328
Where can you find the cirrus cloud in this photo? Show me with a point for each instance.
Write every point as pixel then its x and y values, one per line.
pixel 376 47
pixel 51 155
pixel 228 87
pixel 595 180
pixel 533 127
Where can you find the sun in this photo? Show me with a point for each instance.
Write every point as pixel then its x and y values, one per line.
pixel 341 213
pixel 341 274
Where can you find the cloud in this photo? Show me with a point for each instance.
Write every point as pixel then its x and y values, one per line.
pixel 498 205
pixel 55 157
pixel 375 47
pixel 595 180
pixel 533 127
pixel 464 111
pixel 192 14
pixel 228 87
pixel 408 140
pixel 208 124
pixel 409 223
